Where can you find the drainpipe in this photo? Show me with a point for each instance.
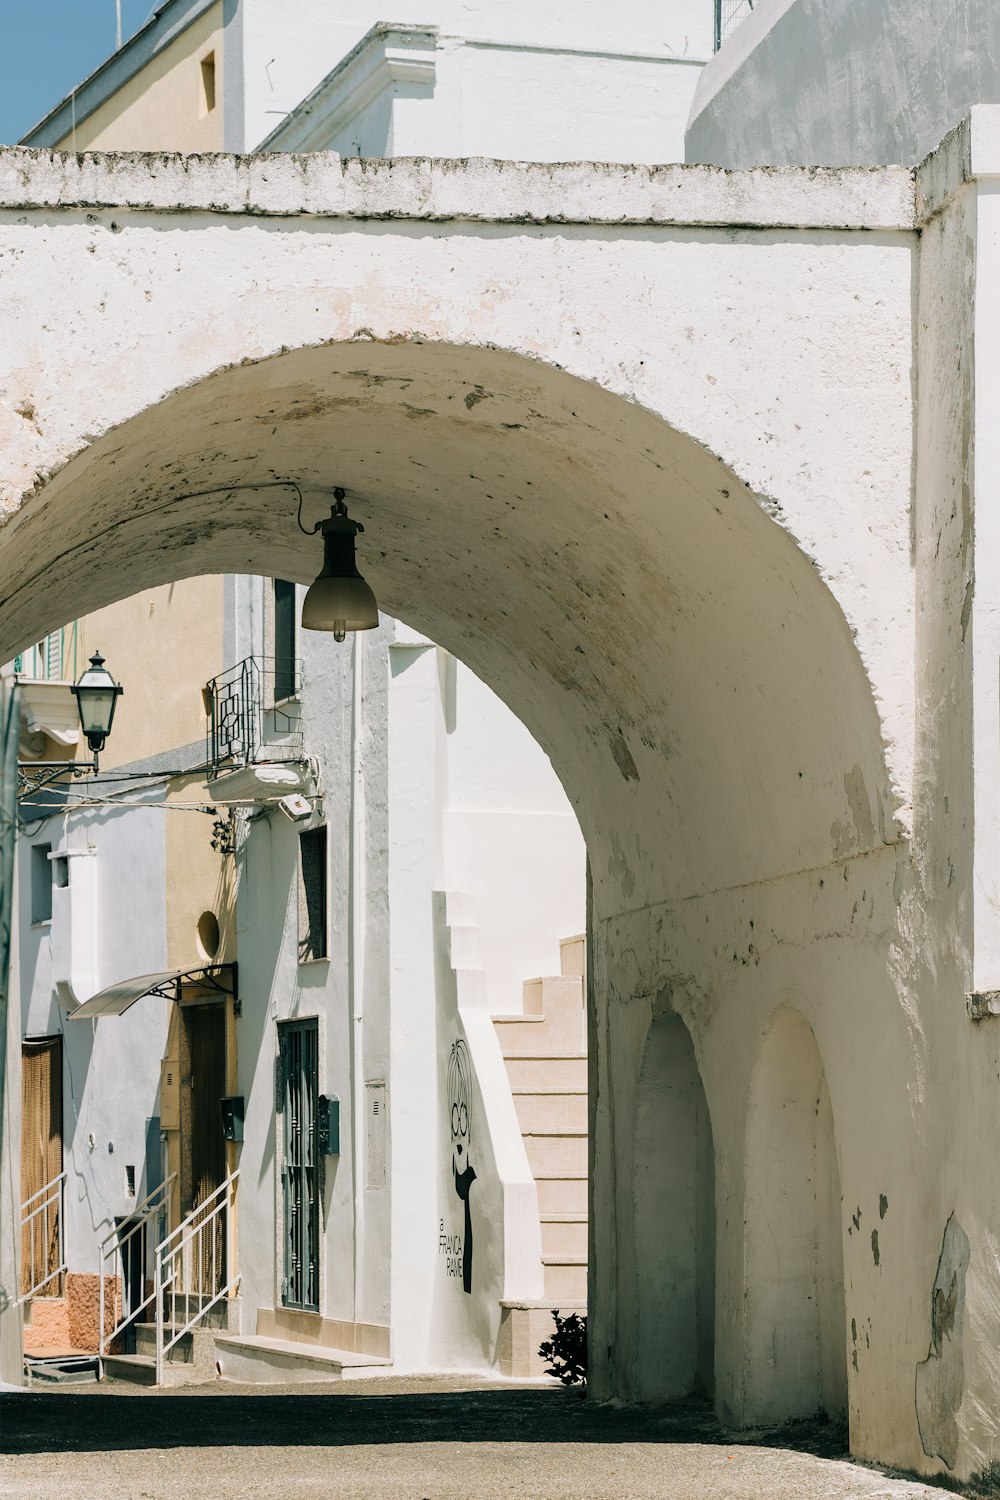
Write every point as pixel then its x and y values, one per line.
pixel 358 897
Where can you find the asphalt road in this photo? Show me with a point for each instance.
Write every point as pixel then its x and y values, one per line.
pixel 405 1440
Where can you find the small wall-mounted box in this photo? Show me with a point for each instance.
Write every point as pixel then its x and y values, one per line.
pixel 232 1117
pixel 170 1094
pixel 328 1125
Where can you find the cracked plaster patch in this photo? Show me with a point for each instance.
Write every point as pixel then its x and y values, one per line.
pixel 940 1378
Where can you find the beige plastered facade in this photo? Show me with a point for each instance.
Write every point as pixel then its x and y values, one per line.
pixel 167 643
pixel 165 105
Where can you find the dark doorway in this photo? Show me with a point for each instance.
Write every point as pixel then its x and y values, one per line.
pixel 132 1242
pixel 203 1149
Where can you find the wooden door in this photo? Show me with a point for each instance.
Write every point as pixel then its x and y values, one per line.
pixel 41 1159
pixel 203 1148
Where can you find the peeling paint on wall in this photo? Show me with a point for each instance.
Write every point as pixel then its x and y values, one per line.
pixel 940 1379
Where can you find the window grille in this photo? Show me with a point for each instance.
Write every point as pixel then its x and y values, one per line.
pixel 299 1081
pixel 728 15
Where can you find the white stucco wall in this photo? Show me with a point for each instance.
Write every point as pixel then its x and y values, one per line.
pixel 511 840
pixel 285 52
pixel 111 1067
pixel 424 93
pixel 844 82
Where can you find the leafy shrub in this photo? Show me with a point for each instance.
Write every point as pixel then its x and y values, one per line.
pixel 566 1351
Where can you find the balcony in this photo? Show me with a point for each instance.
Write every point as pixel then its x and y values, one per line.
pixel 255 716
pixel 48 710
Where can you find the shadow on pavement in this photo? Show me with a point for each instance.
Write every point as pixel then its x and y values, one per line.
pixel 99 1423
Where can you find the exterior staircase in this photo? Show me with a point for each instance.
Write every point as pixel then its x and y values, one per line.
pixel 191 1361
pixel 545 1052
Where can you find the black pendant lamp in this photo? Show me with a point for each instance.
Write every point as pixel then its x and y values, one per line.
pixel 340 599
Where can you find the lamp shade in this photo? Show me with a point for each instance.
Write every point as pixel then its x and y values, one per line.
pixel 340 599
pixel 339 604
pixel 97 694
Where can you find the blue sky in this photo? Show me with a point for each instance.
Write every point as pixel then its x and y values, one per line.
pixel 47 46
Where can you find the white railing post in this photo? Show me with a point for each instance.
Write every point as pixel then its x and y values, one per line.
pixel 100 1326
pixel 157 1284
pixel 61 1221
pixel 112 1249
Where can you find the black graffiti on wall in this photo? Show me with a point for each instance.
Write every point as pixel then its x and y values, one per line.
pixel 463 1175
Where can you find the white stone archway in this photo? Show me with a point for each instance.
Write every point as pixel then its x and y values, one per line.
pixel 595 427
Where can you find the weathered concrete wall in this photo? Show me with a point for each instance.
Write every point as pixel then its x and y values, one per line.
pixel 638 447
pixel 844 82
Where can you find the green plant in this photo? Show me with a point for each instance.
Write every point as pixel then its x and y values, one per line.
pixel 566 1351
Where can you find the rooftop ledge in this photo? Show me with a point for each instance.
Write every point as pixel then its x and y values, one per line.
pixel 472 190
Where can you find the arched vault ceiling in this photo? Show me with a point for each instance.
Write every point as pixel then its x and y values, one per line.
pixel 680 660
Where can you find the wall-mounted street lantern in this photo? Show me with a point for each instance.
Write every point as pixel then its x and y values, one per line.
pixel 97 695
pixel 340 599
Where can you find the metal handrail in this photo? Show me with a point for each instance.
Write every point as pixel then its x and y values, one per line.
pixel 52 1192
pixel 112 1246
pixel 728 15
pixel 182 1251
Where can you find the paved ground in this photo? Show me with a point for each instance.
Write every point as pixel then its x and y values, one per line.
pixel 398 1439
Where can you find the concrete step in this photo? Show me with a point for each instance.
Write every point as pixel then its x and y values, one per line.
pixel 460 909
pixel 190 1362
pixel 556 1155
pixel 465 947
pixel 565 1279
pixel 540 1114
pixel 561 1193
pixel 74 1368
pixel 564 1239
pixel 138 1369
pixel 552 994
pixel 573 956
pixel 536 1075
pixel 523 1327
pixel 255 1360
pixel 556 1034
pixel 197 1346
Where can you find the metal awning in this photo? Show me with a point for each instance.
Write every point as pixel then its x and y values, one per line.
pixel 117 998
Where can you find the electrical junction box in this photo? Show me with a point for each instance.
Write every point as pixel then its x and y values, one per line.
pixel 232 1117
pixel 170 1094
pixel 328 1125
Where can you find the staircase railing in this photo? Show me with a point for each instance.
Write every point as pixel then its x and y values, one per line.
pixel 42 1220
pixel 115 1259
pixel 196 1264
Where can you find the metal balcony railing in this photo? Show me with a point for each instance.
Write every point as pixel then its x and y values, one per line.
pixel 728 15
pixel 254 712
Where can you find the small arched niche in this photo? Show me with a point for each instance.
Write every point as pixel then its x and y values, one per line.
pixel 796 1350
pixel 674 1196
